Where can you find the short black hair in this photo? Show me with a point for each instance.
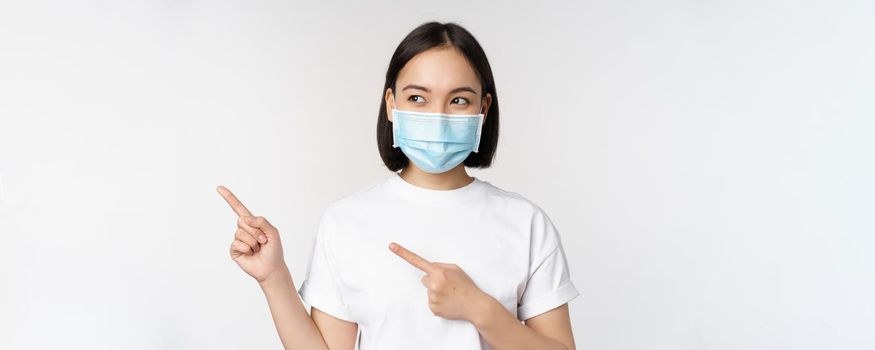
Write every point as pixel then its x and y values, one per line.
pixel 424 37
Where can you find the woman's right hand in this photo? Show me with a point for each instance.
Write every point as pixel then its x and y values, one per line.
pixel 256 247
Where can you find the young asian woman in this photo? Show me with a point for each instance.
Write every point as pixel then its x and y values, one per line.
pixel 428 257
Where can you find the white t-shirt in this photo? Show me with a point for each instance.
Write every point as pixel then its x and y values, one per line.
pixel 504 242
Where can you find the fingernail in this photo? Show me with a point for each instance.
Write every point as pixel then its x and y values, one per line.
pixel 262 238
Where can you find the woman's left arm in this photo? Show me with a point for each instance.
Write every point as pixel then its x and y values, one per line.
pixel 453 295
pixel 503 331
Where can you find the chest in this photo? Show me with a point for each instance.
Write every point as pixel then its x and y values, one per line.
pixel 492 250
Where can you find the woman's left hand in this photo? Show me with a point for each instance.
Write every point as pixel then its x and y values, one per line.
pixel 451 293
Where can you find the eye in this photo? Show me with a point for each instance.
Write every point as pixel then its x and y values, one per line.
pixel 411 98
pixel 461 98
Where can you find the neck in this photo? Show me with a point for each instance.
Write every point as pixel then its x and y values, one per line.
pixel 450 180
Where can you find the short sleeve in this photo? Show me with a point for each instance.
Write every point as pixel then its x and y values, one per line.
pixel 321 287
pixel 549 284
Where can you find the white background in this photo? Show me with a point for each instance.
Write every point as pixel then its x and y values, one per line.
pixel 709 164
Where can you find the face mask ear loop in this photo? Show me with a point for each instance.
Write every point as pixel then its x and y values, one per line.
pixel 394 125
pixel 479 128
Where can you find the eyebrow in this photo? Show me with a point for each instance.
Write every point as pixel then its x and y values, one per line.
pixel 423 88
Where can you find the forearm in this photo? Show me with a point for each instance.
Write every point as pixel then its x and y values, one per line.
pixel 294 325
pixel 503 331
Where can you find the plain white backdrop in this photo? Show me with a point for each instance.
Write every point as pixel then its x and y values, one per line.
pixel 709 164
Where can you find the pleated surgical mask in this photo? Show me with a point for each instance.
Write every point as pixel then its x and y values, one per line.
pixel 436 142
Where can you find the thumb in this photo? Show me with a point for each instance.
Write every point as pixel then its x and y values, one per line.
pixel 265 226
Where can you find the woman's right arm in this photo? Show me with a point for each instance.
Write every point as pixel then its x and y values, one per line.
pixel 297 329
pixel 257 249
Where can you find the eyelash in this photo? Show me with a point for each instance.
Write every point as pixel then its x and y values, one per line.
pixel 466 100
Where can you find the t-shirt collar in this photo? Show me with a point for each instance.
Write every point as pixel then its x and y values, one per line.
pixel 411 192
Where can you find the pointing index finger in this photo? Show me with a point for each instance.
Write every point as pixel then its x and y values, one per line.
pixel 232 200
pixel 411 257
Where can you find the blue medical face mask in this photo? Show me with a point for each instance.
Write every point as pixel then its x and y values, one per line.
pixel 436 142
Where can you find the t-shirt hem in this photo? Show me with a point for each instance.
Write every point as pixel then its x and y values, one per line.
pixel 545 303
pixel 323 304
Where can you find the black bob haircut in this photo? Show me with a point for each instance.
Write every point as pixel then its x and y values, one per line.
pixel 424 37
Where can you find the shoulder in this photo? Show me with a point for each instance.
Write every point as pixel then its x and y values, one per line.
pixel 543 236
pixel 514 202
pixel 357 201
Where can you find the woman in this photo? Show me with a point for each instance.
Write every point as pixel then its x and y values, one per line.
pixel 428 257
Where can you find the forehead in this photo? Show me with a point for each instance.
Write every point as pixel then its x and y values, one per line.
pixel 439 69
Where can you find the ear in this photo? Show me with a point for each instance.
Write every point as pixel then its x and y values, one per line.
pixel 487 102
pixel 390 103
